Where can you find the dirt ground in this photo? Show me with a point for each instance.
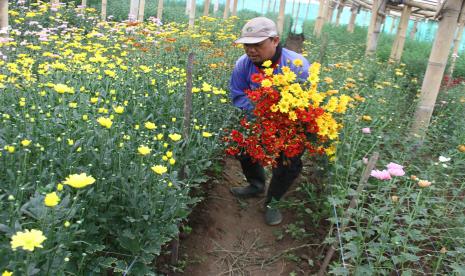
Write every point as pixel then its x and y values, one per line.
pixel 229 236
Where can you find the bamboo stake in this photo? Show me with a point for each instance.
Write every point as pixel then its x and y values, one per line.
pixel 188 98
pixel 3 18
pixel 84 3
pixel 263 7
pixel 346 217
pixel 188 7
pixel 340 8
pixel 234 9
pixel 331 7
pixel 376 23
pixel 206 7
pixel 274 6
pixel 269 6
pixel 103 14
pixel 398 45
pixel 293 8
pixel 393 24
pixel 282 6
pixel 216 6
pixel 319 22
pixel 226 10
pixel 140 14
pixel 414 29
pixel 192 14
pixel 160 9
pixel 455 51
pixel 353 16
pixel 308 10
pixel 133 10
pixel 297 17
pixel 436 66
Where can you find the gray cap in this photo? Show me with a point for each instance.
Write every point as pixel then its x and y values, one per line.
pixel 257 30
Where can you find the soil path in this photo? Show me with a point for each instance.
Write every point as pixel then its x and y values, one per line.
pixel 229 236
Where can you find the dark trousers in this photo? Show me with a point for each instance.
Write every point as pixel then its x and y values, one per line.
pixel 284 174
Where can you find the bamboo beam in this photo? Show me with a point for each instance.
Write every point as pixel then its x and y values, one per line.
pixel 192 14
pixel 4 18
pixel 340 8
pixel 282 6
pixel 234 9
pixel 160 9
pixel 423 6
pixel 436 66
pixel 206 7
pixel 398 45
pixel 375 26
pixel 140 13
pixel 226 9
pixel 103 14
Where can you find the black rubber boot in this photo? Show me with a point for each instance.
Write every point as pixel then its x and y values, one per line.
pixel 273 216
pixel 252 190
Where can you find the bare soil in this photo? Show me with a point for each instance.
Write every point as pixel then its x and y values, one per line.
pixel 229 236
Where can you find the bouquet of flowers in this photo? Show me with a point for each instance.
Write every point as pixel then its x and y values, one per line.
pixel 289 117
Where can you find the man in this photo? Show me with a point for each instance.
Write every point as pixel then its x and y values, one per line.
pixel 261 43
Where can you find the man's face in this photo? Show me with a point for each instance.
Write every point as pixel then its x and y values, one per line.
pixel 262 51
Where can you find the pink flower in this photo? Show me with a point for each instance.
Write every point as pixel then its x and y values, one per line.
pixel 395 169
pixel 381 175
pixel 366 130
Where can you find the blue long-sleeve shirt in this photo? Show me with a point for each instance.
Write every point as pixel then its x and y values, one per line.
pixel 244 68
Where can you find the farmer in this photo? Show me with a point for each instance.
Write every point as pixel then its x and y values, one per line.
pixel 261 43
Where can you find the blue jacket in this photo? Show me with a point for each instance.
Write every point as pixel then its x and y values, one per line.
pixel 241 76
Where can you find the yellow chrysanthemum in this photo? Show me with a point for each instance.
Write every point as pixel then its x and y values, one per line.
pixel 79 180
pixel 298 62
pixel 28 239
pixel 150 125
pixel 206 134
pixel 266 83
pixel 51 199
pixel 7 273
pixel 105 122
pixel 159 169
pixel 144 150
pixel 175 137
pixel 267 63
pixel 25 142
pixel 118 109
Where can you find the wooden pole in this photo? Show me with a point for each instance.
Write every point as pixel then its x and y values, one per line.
pixel 320 20
pixel 216 6
pixel 140 14
pixel 353 16
pixel 84 3
pixel 346 217
pixel 226 9
pixel 308 10
pixel 133 10
pixel 436 66
pixel 192 14
pixel 331 7
pixel 455 51
pixel 398 45
pixel 4 18
pixel 188 98
pixel 274 6
pixel 160 9
pixel 297 17
pixel 414 29
pixel 269 7
pixel 393 24
pixel 206 7
pixel 293 8
pixel 282 6
pixel 376 22
pixel 340 8
pixel 103 14
pixel 263 7
pixel 188 6
pixel 234 9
